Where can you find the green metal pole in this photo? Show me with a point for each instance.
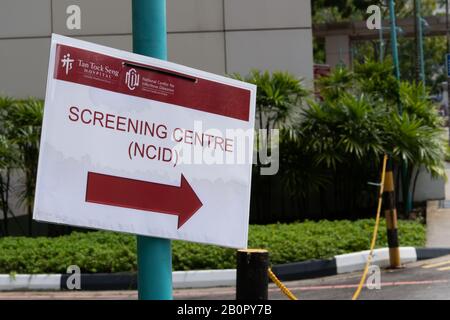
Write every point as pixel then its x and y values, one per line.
pixel 380 35
pixel 381 45
pixel 154 254
pixel 394 39
pixel 420 42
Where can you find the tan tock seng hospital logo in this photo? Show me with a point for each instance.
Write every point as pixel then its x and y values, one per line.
pixel 132 79
pixel 67 62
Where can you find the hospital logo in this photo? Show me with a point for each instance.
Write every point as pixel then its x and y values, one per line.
pixel 132 79
pixel 67 62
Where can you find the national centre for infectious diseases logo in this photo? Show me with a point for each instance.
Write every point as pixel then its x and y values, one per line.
pixel 67 62
pixel 132 79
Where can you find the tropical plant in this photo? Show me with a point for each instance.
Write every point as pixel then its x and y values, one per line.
pixel 415 137
pixel 278 96
pixel 19 137
pixel 331 147
pixel 365 114
pixel 278 100
pixel 8 156
pixel 377 79
pixel 343 129
pixel 341 80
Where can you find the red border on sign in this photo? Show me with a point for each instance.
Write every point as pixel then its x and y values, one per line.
pixel 150 82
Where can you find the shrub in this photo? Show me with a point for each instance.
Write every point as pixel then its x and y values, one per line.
pixel 114 252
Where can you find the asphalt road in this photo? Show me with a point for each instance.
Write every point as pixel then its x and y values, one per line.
pixel 425 280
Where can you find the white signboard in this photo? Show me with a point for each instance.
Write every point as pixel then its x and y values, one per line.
pixel 139 145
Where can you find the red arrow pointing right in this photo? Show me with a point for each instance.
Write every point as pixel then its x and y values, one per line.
pixel 142 195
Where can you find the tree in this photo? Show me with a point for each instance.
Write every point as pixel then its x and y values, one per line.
pixel 324 11
pixel 347 10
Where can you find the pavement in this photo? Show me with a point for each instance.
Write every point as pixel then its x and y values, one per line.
pixel 438 219
pixel 424 280
pixel 438 224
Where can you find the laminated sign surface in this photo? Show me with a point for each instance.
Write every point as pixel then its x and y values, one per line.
pixel 144 146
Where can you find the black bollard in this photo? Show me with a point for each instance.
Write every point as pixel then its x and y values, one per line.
pixel 391 217
pixel 251 275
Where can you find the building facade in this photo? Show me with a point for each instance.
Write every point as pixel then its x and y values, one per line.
pixel 220 36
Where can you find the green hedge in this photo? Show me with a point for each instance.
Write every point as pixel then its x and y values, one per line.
pixel 114 252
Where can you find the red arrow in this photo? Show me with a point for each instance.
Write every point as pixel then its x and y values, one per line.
pixel 143 195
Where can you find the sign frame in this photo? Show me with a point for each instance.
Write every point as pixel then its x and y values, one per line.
pixel 71 90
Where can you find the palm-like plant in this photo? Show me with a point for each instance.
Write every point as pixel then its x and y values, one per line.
pixel 24 119
pixel 278 100
pixel 337 142
pixel 416 137
pixel 377 80
pixel 343 129
pixel 279 95
pixel 340 81
pixel 347 128
pixel 415 103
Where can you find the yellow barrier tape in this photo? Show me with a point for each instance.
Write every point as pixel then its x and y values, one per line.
pixel 280 285
pixel 375 231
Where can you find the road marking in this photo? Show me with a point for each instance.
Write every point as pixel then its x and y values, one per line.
pixel 383 284
pixel 181 293
pixel 434 265
pixel 313 288
pixel 444 269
